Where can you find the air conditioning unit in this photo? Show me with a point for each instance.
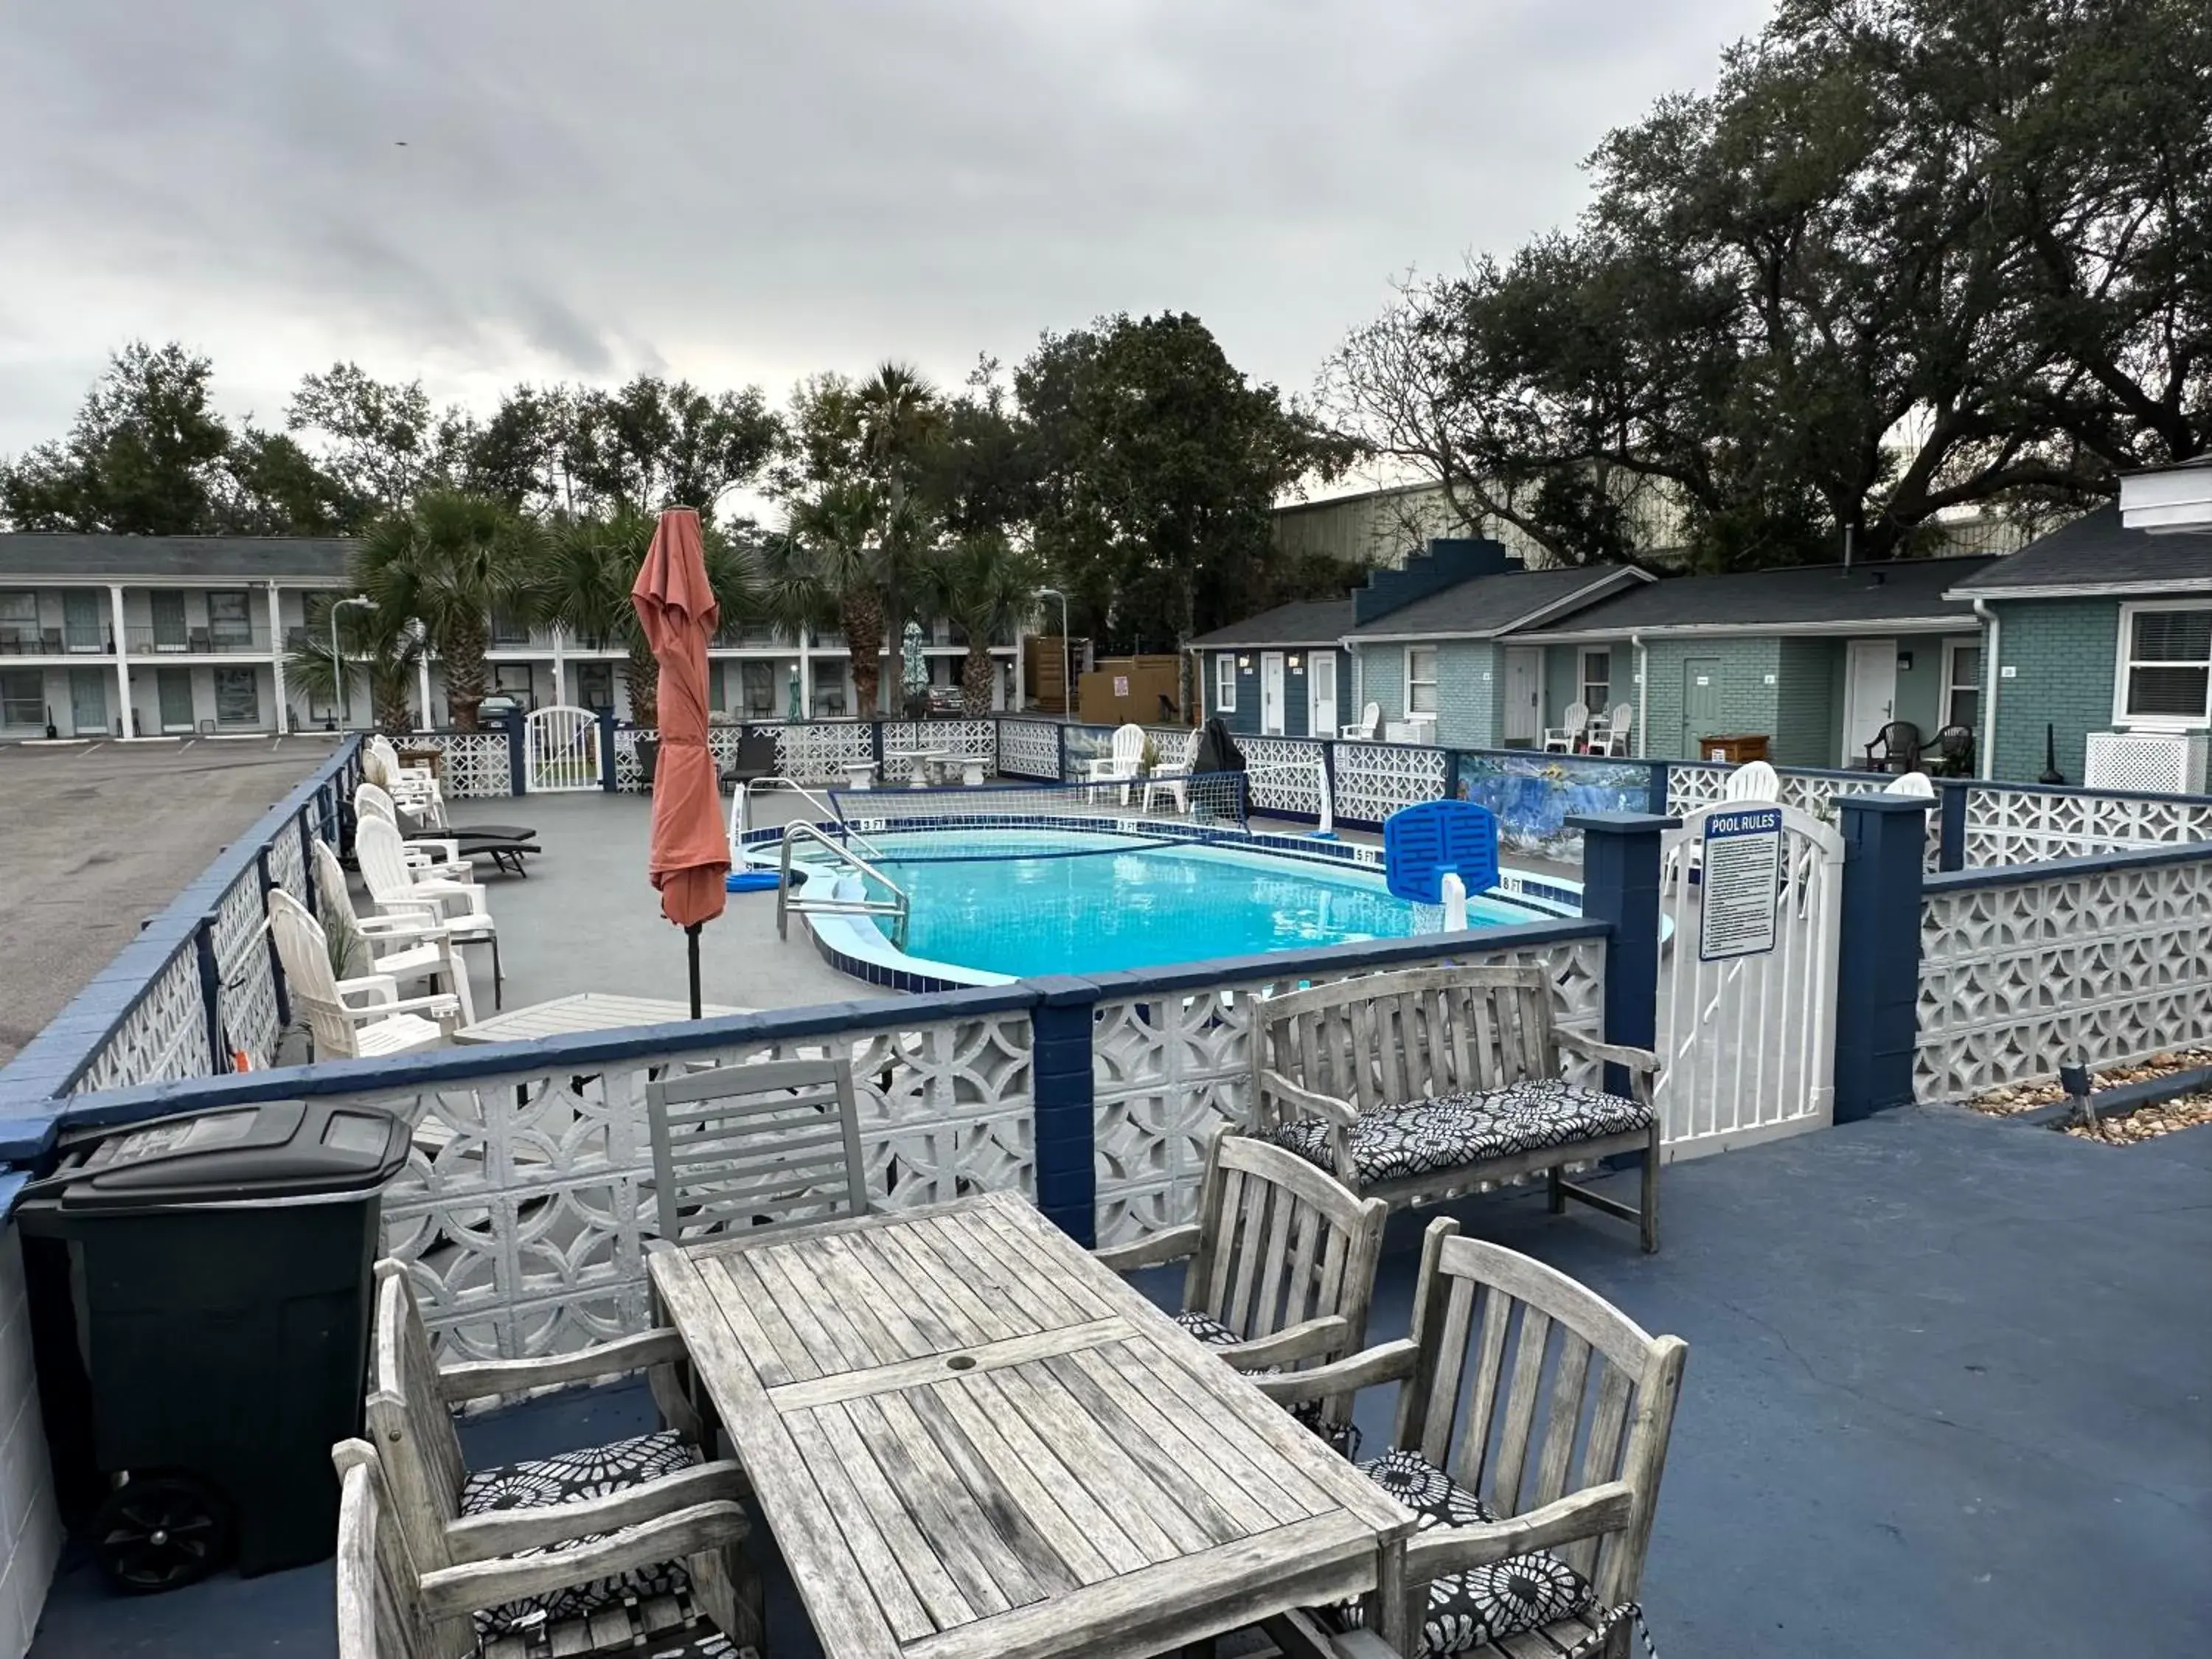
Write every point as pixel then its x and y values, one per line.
pixel 2148 762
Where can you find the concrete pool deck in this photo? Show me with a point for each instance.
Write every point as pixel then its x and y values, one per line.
pixel 1947 1397
pixel 587 918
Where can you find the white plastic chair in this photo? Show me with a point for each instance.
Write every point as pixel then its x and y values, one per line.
pixel 424 853
pixel 1562 739
pixel 415 787
pixel 1619 726
pixel 357 1017
pixel 1916 785
pixel 1173 777
pixel 408 949
pixel 1119 765
pixel 397 890
pixel 1753 781
pixel 1362 729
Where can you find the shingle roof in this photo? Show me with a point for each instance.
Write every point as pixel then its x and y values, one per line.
pixel 1308 621
pixel 2098 553
pixel 1489 604
pixel 1805 598
pixel 26 555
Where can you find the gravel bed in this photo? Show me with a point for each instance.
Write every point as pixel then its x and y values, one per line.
pixel 2149 1122
pixel 2007 1101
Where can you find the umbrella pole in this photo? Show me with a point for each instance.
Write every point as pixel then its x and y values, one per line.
pixel 692 937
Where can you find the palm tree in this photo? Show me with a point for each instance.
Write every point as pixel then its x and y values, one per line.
pixel 984 586
pixel 585 589
pixel 390 647
pixel 447 561
pixel 828 571
pixel 899 415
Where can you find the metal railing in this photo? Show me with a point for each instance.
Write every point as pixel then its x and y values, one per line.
pixel 741 813
pixel 897 907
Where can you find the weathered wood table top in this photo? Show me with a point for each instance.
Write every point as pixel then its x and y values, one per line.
pixel 584 1011
pixel 970 1439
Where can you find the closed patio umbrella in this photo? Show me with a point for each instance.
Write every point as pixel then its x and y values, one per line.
pixel 676 607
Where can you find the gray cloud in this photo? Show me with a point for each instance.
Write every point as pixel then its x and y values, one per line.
pixel 741 192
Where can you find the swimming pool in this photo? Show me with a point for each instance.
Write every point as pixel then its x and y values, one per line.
pixel 987 905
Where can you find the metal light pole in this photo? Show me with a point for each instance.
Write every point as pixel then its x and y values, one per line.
pixel 337 662
pixel 1067 689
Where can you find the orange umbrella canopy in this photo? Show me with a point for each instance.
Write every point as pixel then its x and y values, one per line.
pixel 677 609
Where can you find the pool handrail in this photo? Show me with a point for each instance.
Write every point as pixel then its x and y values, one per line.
pixel 898 907
pixel 741 811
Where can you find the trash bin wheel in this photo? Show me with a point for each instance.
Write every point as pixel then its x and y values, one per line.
pixel 161 1532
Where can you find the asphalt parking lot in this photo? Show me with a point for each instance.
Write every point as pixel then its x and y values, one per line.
pixel 100 836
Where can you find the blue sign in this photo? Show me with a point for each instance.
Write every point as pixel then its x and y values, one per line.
pixel 1741 885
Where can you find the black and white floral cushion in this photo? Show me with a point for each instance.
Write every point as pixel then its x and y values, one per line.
pixel 1344 1437
pixel 1468 1609
pixel 1452 1131
pixel 541 1482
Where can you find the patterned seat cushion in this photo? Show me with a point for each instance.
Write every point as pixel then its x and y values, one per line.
pixel 1343 1437
pixel 1452 1131
pixel 541 1482
pixel 1468 1609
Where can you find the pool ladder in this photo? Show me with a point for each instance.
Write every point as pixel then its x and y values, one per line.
pixel 897 907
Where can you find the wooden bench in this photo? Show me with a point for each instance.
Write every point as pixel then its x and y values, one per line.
pixel 1424 1084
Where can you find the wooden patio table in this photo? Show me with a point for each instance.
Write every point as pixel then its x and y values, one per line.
pixel 973 1442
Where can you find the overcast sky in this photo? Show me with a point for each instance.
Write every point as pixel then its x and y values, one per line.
pixel 479 192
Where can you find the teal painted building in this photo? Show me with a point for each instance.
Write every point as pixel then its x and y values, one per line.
pixel 2100 626
pixel 1816 660
pixel 1283 672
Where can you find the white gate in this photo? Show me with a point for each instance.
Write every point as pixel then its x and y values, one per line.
pixel 561 751
pixel 1747 1045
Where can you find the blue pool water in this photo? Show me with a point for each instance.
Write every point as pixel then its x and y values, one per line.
pixel 1022 902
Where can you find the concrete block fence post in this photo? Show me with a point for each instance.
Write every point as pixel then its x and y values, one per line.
pixel 1060 1072
pixel 211 993
pixel 518 771
pixel 269 940
pixel 1878 960
pixel 1621 885
pixel 607 751
pixel 1953 797
pixel 1059 739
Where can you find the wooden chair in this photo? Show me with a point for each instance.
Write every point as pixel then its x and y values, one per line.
pixel 1425 1084
pixel 1562 739
pixel 406 949
pixel 451 1517
pixel 1282 1261
pixel 739 1148
pixel 1532 1428
pixel 359 1017
pixel 391 1605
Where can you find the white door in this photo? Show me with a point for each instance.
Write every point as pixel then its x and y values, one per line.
pixel 1869 694
pixel 1524 680
pixel 1747 1043
pixel 1271 693
pixel 1320 694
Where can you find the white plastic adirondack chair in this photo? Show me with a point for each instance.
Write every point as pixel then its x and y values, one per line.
pixel 1362 729
pixel 407 949
pixel 1562 739
pixel 415 787
pixel 1753 781
pixel 1916 785
pixel 1173 777
pixel 1618 729
pixel 397 890
pixel 427 852
pixel 355 1017
pixel 1119 765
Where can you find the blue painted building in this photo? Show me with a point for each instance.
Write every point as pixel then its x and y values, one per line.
pixel 1280 673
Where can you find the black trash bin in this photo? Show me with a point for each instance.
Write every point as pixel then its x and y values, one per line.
pixel 217 1273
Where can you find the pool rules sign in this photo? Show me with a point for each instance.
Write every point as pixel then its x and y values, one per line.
pixel 1743 879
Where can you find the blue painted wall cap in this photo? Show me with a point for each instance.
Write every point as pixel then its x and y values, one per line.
pixel 1881 803
pixel 1620 823
pixel 1060 990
